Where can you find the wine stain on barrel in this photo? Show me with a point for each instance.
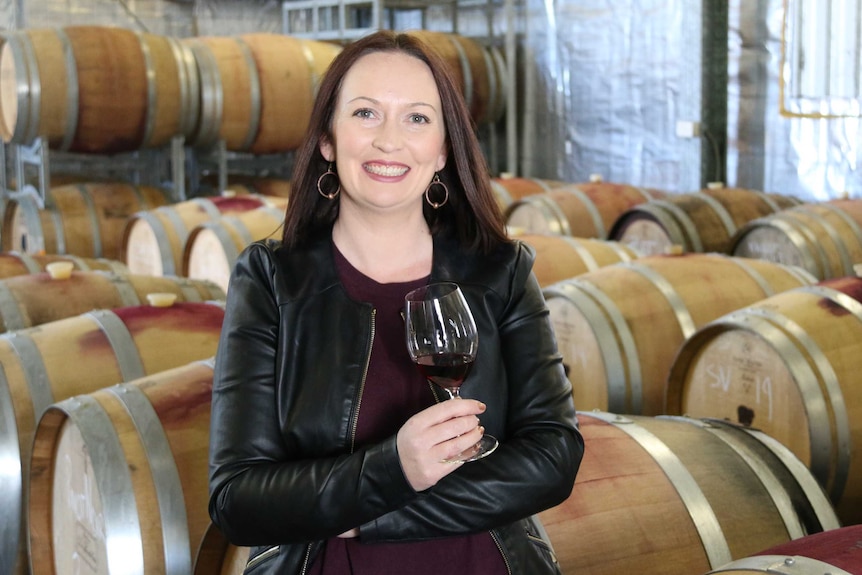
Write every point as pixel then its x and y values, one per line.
pixel 237 204
pixel 745 415
pixel 850 286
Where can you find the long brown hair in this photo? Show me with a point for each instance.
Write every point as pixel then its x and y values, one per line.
pixel 471 212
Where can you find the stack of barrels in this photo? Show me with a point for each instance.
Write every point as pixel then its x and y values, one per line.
pixel 112 295
pixel 709 337
pixel 713 377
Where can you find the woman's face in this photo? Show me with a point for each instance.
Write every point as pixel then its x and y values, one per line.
pixel 389 133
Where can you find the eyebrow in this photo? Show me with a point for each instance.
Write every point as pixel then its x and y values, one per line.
pixel 374 101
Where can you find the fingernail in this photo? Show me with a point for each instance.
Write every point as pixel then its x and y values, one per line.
pixel 482 429
pixel 482 406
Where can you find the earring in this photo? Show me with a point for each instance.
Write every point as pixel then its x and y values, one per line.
pixel 436 182
pixel 328 172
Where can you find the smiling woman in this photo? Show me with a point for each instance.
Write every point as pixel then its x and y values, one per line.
pixel 325 437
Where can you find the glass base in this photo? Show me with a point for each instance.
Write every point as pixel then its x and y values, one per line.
pixel 484 447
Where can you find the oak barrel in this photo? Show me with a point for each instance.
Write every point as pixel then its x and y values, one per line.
pixel 127 465
pixel 153 240
pixel 95 89
pixel 832 552
pixel 788 365
pixel 507 190
pixel 704 221
pixel 36 299
pixel 212 248
pixel 586 210
pixel 824 238
pixel 42 365
pixel 619 327
pixel 256 90
pixel 479 72
pixel 677 496
pixel 17 264
pixel 217 556
pixel 86 220
pixel 562 257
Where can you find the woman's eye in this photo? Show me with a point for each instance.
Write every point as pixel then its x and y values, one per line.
pixel 419 119
pixel 364 113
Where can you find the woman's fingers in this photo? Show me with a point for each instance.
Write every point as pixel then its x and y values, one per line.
pixel 435 435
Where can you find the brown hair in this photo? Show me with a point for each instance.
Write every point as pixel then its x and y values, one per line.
pixel 471 212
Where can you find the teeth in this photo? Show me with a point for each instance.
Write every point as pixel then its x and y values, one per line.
pixel 388 171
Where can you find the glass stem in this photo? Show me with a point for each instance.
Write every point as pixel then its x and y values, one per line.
pixel 454 392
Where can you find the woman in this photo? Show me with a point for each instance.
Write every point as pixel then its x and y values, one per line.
pixel 327 444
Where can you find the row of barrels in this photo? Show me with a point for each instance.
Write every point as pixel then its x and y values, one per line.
pixel 95 89
pixel 123 467
pixel 761 344
pixel 824 238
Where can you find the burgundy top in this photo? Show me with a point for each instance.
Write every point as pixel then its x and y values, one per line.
pixel 394 391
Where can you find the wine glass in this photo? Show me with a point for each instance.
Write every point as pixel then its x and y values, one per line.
pixel 442 340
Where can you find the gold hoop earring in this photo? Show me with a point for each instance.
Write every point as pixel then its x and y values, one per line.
pixel 328 172
pixel 436 182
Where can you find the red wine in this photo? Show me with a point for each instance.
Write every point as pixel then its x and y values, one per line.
pixel 447 370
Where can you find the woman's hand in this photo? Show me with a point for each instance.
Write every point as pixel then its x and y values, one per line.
pixel 435 434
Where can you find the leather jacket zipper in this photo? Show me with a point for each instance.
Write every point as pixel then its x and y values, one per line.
pixel 502 553
pixel 355 422
pixel 262 557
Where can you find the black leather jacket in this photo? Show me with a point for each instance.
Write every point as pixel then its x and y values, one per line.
pixel 289 375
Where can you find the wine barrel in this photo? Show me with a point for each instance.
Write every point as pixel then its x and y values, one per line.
pixel 824 238
pixel 217 556
pixel 561 257
pixel 478 71
pixel 213 247
pixel 619 327
pixel 788 365
pixel 42 365
pixel 507 190
pixel 243 185
pixel 703 221
pixel 95 89
pixel 586 210
pixel 257 90
pixel 832 552
pixel 86 220
pixel 153 240
pixel 676 496
pixel 35 299
pixel 17 264
pixel 128 465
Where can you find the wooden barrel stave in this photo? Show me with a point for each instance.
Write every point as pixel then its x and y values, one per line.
pixel 824 238
pixel 86 220
pixel 562 257
pixel 14 264
pixel 49 363
pixel 154 240
pixel 787 365
pixel 35 299
pixel 158 429
pixel 212 248
pixel 704 221
pixel 619 348
pixel 835 552
pixel 586 210
pixel 676 496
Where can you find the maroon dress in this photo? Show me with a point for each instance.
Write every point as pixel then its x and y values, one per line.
pixel 394 391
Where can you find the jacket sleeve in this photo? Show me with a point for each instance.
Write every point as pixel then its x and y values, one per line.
pixel 261 491
pixel 534 468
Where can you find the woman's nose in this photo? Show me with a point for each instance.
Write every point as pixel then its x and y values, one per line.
pixel 388 137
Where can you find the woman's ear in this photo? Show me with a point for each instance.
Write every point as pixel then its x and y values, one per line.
pixel 326 150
